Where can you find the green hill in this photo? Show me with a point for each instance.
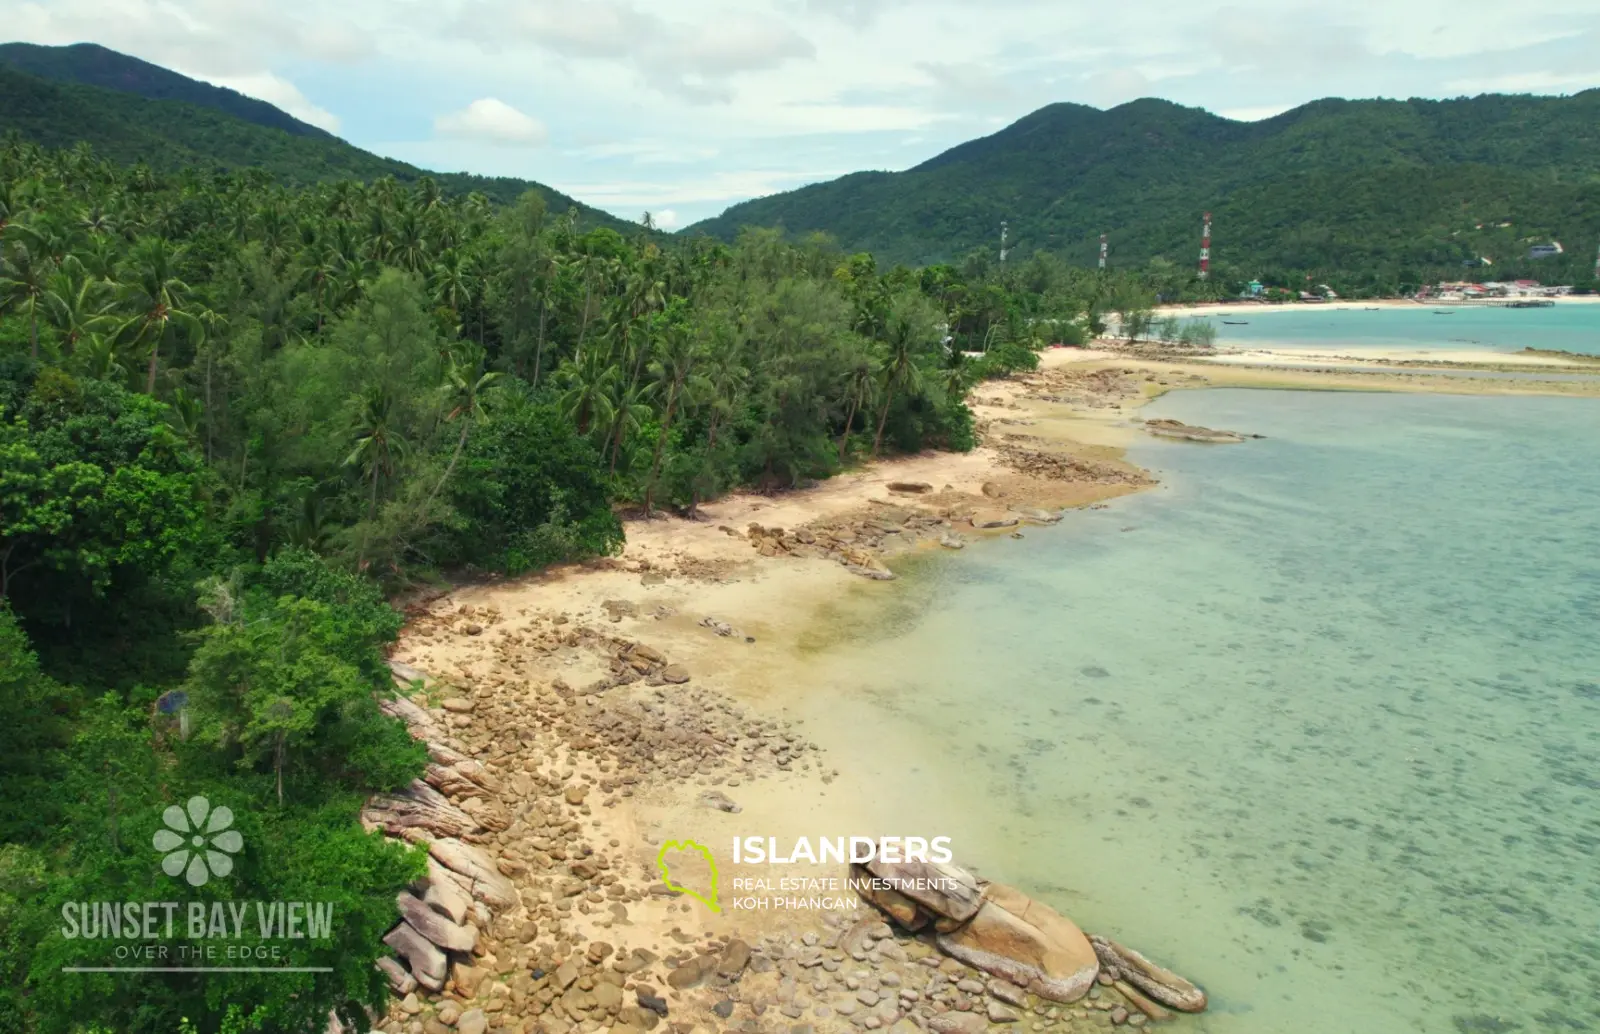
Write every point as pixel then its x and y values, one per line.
pixel 1330 185
pixel 89 64
pixel 131 111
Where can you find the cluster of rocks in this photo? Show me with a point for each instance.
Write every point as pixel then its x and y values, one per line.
pixel 858 973
pixel 1059 466
pixel 1181 431
pixel 855 541
pixel 1025 944
pixel 490 941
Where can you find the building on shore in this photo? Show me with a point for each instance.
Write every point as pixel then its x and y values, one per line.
pixel 1491 290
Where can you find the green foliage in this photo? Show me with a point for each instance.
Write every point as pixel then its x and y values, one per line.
pixel 530 493
pixel 33 712
pixel 24 875
pixel 1367 194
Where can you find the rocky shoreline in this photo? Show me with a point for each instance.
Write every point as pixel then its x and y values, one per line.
pixel 561 737
pixel 578 720
pixel 524 923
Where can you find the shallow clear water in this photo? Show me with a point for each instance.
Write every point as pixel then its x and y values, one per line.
pixel 1570 327
pixel 1317 722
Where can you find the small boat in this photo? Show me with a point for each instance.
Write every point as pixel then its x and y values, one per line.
pixel 1444 312
pixel 1236 323
pixel 1370 308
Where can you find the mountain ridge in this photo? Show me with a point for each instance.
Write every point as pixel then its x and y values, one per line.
pixel 197 125
pixel 1391 182
pixel 90 64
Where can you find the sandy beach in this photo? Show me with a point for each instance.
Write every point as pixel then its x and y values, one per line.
pixel 623 704
pixel 1238 305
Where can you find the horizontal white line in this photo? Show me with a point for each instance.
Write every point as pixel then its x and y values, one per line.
pixel 197 969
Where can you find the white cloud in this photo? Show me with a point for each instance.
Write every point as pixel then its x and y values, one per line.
pixel 280 93
pixel 692 58
pixel 492 120
pixel 667 219
pixel 1254 114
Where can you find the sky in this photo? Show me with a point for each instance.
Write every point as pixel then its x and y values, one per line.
pixel 684 107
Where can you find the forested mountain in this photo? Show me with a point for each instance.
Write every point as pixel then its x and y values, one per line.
pixel 90 64
pixel 131 111
pixel 1333 185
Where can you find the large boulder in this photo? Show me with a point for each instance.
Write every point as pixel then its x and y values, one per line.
pixel 400 979
pixel 488 885
pixel 427 963
pixel 417 806
pixel 436 926
pixel 990 519
pixel 948 893
pixel 1163 985
pixel 445 894
pixel 1032 945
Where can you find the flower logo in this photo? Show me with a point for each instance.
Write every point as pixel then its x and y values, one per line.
pixel 197 842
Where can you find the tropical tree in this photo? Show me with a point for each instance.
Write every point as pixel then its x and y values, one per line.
pixel 159 301
pixel 898 372
pixel 676 374
pixel 379 444
pixel 24 282
pixel 589 379
pixel 77 304
pixel 860 386
pixel 464 387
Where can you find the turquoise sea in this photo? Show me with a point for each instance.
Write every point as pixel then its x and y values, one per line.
pixel 1316 722
pixel 1570 327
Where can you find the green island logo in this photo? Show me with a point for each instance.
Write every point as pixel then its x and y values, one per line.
pixel 710 898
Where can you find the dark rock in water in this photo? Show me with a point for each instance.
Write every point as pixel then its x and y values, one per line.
pixel 653 1003
pixel 1482 1024
pixel 1094 671
pixel 723 1008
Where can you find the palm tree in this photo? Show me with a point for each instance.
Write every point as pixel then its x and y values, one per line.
pixel 453 283
pixel 465 386
pixel 411 248
pixel 630 408
pixel 675 370
pixel 379 445
pixel 589 377
pixel 98 358
pixel 859 387
pixel 547 275
pixel 158 300
pixel 76 304
pixel 899 372
pixel 726 382
pixel 24 280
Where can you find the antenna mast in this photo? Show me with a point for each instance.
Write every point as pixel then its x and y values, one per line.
pixel 1102 251
pixel 1205 248
pixel 1002 240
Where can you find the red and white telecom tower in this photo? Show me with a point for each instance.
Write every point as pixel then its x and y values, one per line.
pixel 1597 267
pixel 1205 249
pixel 1103 255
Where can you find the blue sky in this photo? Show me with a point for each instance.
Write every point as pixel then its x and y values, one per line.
pixel 683 107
